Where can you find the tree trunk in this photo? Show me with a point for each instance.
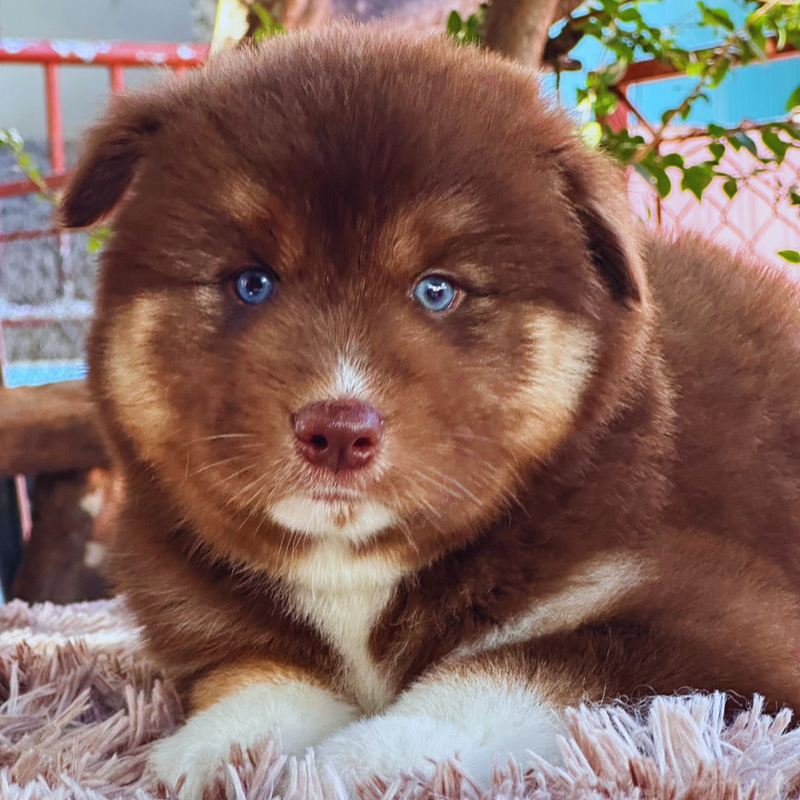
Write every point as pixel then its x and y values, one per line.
pixel 520 28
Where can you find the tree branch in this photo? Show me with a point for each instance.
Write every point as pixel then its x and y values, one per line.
pixel 746 126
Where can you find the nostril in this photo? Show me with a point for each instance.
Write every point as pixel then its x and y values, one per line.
pixel 338 435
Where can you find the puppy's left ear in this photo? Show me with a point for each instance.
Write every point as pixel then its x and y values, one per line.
pixel 597 192
pixel 112 151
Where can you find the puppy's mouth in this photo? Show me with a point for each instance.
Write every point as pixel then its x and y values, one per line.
pixel 336 496
pixel 333 514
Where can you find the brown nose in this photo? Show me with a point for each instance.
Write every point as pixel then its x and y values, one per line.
pixel 338 435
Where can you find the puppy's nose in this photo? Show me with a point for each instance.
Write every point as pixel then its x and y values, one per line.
pixel 338 435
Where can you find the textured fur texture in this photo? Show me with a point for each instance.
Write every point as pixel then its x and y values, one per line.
pixel 80 709
pixel 583 475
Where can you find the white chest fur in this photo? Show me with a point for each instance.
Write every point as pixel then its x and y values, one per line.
pixel 342 596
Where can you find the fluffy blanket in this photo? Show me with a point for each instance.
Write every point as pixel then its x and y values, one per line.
pixel 81 707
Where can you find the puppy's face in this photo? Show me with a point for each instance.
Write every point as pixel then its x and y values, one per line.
pixel 357 287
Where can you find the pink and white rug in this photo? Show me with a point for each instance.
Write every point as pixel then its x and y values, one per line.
pixel 81 708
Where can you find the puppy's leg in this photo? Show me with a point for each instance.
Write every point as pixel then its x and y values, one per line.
pixel 240 704
pixel 484 706
pixel 492 704
pixel 481 709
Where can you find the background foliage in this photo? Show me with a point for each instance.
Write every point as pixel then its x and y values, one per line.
pixel 620 27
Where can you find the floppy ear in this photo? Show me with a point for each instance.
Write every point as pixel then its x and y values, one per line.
pixel 106 168
pixel 597 193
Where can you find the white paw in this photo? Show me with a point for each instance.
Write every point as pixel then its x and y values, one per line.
pixel 479 721
pixel 391 745
pixel 298 715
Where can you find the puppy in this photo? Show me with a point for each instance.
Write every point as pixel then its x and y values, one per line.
pixel 424 439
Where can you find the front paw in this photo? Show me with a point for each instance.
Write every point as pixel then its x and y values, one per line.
pixel 187 760
pixel 390 746
pixel 476 722
pixel 297 715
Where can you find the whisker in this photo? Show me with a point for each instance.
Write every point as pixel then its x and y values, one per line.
pixel 247 487
pixel 216 464
pixel 218 436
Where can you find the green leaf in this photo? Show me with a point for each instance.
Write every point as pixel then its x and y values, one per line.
pixel 454 23
pixel 758 42
pixel 716 131
pixel 717 149
pixel 672 160
pixel 744 141
pixel 663 183
pixel 604 103
pixel 592 134
pixel 696 179
pixel 794 198
pixel 718 73
pixel 695 69
pixel 716 17
pixel 678 57
pixel 794 99
pixel 730 187
pixel 788 127
pixel 791 256
pixel 93 244
pixel 776 144
pixel 268 25
pixel 613 73
pixel 630 14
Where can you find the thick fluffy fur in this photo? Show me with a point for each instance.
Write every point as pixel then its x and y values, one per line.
pixel 588 483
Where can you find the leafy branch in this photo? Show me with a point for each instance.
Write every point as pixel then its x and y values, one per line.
pixel 11 139
pixel 621 28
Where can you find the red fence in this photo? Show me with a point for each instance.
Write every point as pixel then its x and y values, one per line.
pixel 113 56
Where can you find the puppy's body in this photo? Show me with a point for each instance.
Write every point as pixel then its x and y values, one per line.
pixel 579 479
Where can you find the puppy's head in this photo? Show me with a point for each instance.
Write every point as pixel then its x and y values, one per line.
pixel 358 284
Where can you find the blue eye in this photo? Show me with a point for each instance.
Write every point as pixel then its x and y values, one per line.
pixel 255 285
pixel 435 293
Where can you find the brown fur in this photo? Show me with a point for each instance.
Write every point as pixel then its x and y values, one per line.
pixel 228 677
pixel 597 396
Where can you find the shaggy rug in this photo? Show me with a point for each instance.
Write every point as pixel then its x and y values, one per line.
pixel 81 707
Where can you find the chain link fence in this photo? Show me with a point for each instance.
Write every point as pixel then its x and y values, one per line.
pixel 46 286
pixel 759 218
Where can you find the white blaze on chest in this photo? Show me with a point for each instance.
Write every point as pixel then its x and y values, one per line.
pixel 342 596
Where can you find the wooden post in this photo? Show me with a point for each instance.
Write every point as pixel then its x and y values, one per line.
pixel 48 428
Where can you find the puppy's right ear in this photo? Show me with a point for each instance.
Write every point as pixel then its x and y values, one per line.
pixel 111 153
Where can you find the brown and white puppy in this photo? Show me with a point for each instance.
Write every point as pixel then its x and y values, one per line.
pixel 423 438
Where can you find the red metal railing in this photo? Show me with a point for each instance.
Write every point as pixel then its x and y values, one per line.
pixel 114 56
pixel 51 56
